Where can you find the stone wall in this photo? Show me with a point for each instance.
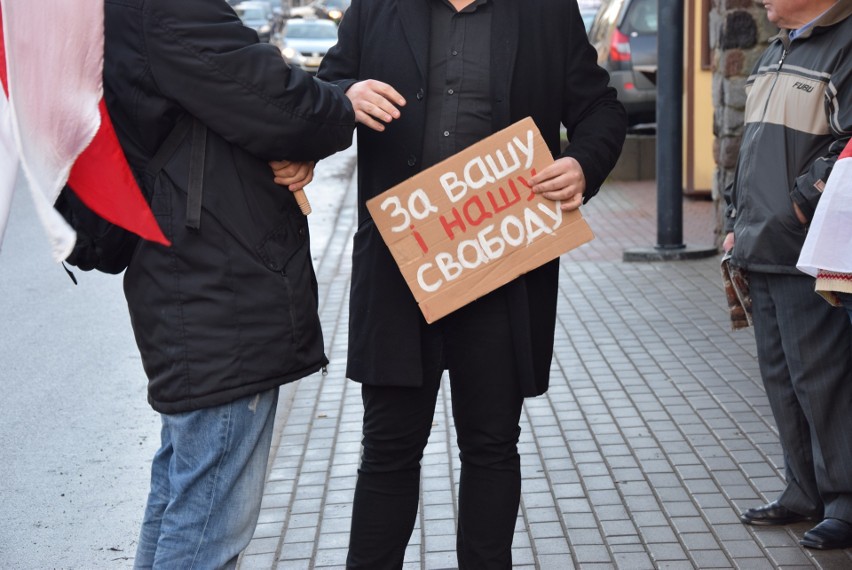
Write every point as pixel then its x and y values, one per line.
pixel 739 33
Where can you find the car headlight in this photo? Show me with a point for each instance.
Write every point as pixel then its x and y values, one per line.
pixel 291 55
pixel 265 29
pixel 335 14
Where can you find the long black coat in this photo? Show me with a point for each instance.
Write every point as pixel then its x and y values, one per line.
pixel 541 66
pixel 228 310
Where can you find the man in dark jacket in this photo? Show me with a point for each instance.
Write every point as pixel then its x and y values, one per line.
pixel 798 118
pixel 228 313
pixel 427 79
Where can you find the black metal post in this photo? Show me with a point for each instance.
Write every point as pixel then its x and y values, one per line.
pixel 670 246
pixel 670 124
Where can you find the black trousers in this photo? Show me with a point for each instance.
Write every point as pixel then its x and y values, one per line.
pixel 804 348
pixel 475 346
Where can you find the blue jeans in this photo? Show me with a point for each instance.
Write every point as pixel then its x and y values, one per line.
pixel 206 485
pixel 846 301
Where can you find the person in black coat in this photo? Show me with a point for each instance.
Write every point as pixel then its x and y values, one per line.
pixel 228 312
pixel 428 78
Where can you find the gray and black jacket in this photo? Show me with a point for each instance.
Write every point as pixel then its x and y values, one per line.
pixel 798 118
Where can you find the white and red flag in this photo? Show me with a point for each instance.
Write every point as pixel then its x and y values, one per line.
pixel 53 120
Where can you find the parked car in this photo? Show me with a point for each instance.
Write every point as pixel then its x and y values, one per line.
pixel 306 11
pixel 305 42
pixel 258 16
pixel 279 10
pixel 332 9
pixel 327 9
pixel 624 34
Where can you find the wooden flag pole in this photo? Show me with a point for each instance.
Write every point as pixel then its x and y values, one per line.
pixel 302 201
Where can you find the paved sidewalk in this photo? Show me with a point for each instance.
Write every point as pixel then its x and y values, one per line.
pixel 655 432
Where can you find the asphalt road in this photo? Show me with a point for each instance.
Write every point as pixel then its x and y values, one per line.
pixel 76 431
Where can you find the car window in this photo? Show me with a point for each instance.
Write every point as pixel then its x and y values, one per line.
pixel 255 5
pixel 641 17
pixel 251 13
pixel 310 30
pixel 331 4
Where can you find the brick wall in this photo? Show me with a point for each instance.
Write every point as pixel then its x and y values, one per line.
pixel 739 32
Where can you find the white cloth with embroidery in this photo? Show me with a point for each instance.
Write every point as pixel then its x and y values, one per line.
pixel 828 245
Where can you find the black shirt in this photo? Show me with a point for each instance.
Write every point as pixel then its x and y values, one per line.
pixel 458 101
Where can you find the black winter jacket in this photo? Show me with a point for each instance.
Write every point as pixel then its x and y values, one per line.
pixel 229 309
pixel 543 67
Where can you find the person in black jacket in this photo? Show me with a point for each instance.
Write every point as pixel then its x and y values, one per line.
pixel 428 78
pixel 228 313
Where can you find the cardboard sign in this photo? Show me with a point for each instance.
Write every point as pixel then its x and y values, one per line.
pixel 471 224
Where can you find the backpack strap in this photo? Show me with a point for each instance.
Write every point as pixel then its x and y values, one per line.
pixel 169 146
pixel 196 163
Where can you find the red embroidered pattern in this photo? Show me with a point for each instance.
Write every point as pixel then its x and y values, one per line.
pixel 822 274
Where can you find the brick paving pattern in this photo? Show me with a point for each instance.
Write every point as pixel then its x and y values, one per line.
pixel 654 435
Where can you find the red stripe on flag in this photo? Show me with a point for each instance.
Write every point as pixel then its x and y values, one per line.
pixel 104 182
pixel 3 78
pixel 847 151
pixel 102 178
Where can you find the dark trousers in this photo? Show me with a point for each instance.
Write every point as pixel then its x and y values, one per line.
pixel 804 348
pixel 846 301
pixel 475 346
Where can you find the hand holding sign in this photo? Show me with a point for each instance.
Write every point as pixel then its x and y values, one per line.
pixel 473 222
pixel 562 181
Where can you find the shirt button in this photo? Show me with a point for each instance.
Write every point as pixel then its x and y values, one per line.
pixel 412 160
pixel 446 133
pixel 420 95
pixel 454 52
pixel 450 91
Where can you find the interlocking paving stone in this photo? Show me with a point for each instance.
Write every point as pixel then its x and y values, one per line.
pixel 654 435
pixel 298 551
pixel 251 561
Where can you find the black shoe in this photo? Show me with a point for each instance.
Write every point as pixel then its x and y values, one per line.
pixel 771 515
pixel 830 534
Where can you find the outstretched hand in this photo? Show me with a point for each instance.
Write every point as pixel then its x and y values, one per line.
pixel 375 103
pixel 564 181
